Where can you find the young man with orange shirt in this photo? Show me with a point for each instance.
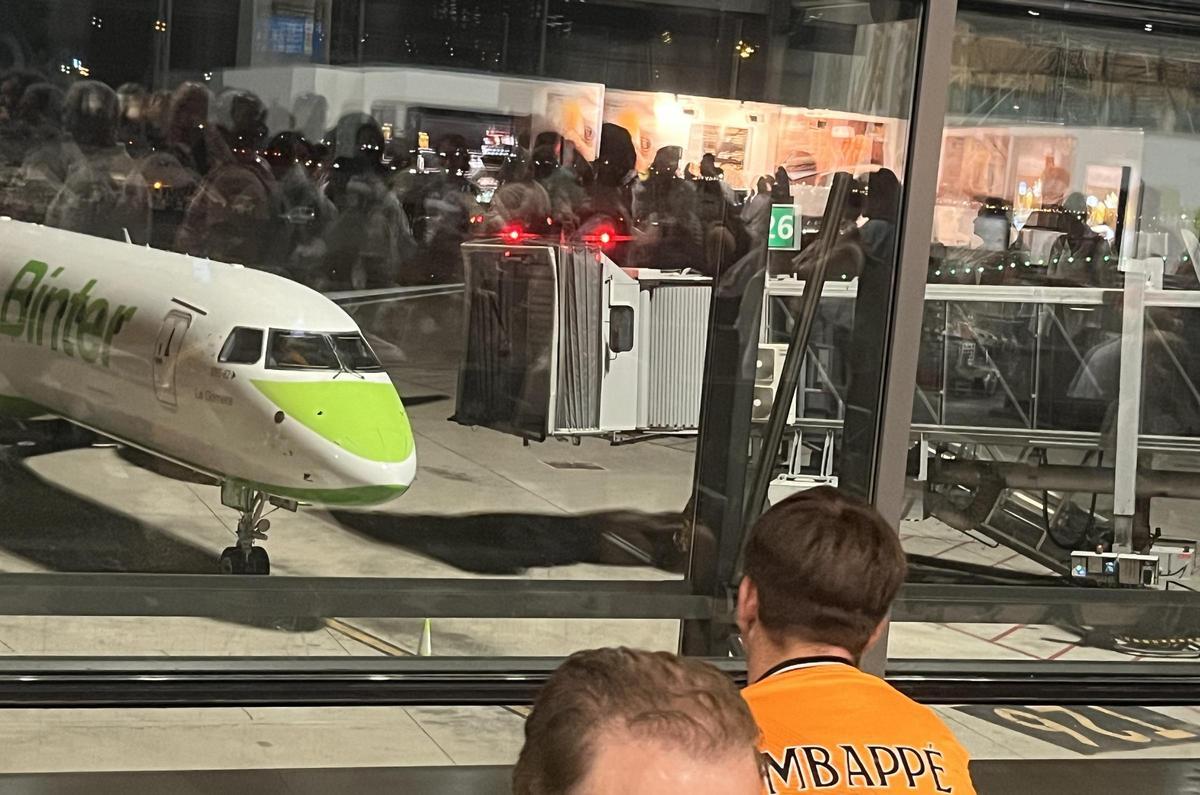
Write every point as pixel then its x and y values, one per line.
pixel 821 571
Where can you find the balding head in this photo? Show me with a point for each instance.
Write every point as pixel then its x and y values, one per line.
pixel 633 722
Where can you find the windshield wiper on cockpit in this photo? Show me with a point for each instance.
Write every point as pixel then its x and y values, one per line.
pixel 342 367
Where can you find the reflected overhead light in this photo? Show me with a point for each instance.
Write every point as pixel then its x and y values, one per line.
pixel 1033 13
pixel 1149 28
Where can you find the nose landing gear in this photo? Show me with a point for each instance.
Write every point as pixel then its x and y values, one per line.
pixel 245 557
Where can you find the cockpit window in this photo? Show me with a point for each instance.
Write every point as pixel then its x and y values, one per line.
pixel 355 353
pixel 244 346
pixel 301 350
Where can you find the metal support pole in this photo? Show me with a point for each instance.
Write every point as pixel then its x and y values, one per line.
pixel 1129 404
pixel 735 65
pixel 360 43
pixel 543 31
pixel 832 227
pixel 936 36
pixel 723 444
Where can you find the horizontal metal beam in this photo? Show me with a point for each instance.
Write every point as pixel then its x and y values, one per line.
pixel 1042 477
pixel 475 779
pixel 216 596
pixel 1046 682
pixel 1021 437
pixel 1171 12
pixel 1127 611
pixel 1069 776
pixel 128 682
pixel 213 596
pixel 56 682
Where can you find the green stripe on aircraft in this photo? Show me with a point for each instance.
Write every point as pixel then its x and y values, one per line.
pixel 364 418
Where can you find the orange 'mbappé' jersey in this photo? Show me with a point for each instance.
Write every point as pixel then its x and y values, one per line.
pixel 828 727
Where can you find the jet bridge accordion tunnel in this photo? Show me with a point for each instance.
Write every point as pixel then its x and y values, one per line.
pixel 561 342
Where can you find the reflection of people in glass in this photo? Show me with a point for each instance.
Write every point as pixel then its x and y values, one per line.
pixel 370 243
pixel 847 257
pixel 995 256
pixel 781 191
pixel 307 213
pixel 881 208
pixel 521 199
pixel 441 206
pixel 1079 256
pixel 102 193
pixel 756 212
pixel 13 84
pixel 187 115
pixel 725 239
pixel 235 215
pixel 555 167
pixel 711 172
pixel 31 141
pixel 668 226
pixel 36 123
pixel 134 104
pixel 612 192
pixel 1172 406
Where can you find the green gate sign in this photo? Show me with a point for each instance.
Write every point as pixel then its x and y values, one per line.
pixel 783 227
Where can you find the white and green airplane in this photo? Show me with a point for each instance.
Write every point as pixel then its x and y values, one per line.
pixel 247 377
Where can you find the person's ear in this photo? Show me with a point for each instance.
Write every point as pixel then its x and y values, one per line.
pixel 747 605
pixel 876 634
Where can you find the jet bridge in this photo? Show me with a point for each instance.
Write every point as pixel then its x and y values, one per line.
pixel 1049 419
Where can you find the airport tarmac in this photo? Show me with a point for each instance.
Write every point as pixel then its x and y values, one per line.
pixel 484 505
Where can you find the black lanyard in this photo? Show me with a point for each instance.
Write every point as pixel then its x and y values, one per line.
pixel 802 662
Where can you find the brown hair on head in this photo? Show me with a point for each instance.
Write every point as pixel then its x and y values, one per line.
pixel 653 696
pixel 826 566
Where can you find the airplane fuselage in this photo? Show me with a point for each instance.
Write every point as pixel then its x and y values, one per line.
pixel 237 373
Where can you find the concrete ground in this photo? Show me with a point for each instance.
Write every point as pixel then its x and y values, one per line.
pixel 484 505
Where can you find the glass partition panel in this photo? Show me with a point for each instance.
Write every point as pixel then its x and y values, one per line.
pixel 1063 268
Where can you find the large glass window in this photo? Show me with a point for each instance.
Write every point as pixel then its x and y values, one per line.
pixel 536 305
pixel 1056 401
pixel 527 211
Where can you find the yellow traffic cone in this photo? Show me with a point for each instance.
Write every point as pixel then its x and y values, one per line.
pixel 425 647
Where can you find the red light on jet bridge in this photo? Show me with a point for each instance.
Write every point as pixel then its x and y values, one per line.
pixel 605 237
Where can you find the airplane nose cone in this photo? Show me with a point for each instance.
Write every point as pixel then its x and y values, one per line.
pixel 364 418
